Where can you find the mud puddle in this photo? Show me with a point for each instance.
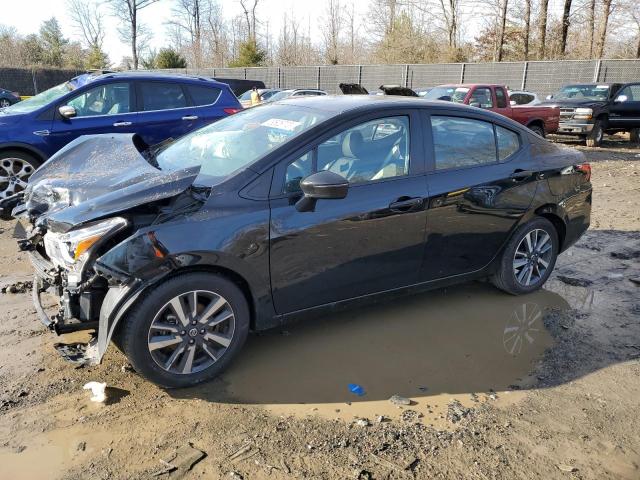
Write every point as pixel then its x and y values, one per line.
pixel 470 343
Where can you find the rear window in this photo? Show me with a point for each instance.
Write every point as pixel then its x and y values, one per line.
pixel 462 142
pixel 203 95
pixel 161 96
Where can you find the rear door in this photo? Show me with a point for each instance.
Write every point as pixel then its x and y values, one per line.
pixel 368 242
pixel 625 108
pixel 480 184
pixel 204 101
pixel 164 110
pixel 103 108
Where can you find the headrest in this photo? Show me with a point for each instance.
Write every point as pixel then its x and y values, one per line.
pixel 352 144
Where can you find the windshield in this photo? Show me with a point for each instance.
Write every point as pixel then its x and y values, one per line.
pixel 237 141
pixel 280 95
pixel 268 94
pixel 583 92
pixel 40 100
pixel 451 94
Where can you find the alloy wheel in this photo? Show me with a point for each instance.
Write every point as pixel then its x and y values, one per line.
pixel 14 173
pixel 191 332
pixel 4 103
pixel 532 257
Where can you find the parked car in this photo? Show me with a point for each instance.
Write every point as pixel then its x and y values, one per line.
pixel 421 92
pixel 541 120
pixel 8 98
pixel 295 206
pixel 265 94
pixel 155 106
pixel 357 89
pixel 296 92
pixel 590 110
pixel 521 97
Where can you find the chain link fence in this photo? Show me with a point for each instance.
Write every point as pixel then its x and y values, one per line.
pixel 542 77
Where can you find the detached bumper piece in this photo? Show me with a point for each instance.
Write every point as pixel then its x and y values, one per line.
pixel 79 353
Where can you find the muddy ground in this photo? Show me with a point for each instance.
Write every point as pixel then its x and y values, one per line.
pixel 541 386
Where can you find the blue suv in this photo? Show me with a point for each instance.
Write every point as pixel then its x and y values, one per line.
pixel 155 106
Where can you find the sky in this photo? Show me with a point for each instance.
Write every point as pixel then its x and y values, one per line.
pixel 29 15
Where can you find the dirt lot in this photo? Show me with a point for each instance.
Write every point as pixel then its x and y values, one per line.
pixel 543 386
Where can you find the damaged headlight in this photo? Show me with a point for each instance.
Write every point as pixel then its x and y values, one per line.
pixel 71 249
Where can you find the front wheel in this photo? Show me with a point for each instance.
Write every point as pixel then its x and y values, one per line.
pixel 595 137
pixel 529 258
pixel 187 330
pixel 15 169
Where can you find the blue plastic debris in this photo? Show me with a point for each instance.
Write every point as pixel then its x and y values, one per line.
pixel 357 389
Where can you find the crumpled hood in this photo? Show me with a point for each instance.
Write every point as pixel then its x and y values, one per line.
pixel 95 176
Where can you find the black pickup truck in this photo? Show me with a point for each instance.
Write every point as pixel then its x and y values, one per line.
pixel 590 110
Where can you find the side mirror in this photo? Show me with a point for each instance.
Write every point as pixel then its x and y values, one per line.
pixel 512 103
pixel 67 111
pixel 323 185
pixel 621 98
pixel 549 97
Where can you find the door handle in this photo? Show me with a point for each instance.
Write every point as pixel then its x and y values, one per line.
pixel 190 117
pixel 122 124
pixel 521 174
pixel 406 204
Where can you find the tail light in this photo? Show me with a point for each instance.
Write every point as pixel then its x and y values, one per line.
pixel 584 168
pixel 231 111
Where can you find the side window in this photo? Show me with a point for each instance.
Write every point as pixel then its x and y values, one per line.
pixel 508 143
pixel 481 97
pixel 109 99
pixel 203 95
pixel 161 96
pixel 296 171
pixel 632 92
pixel 462 142
pixel 501 98
pixel 374 150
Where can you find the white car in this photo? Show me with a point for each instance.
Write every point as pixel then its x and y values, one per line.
pixel 520 97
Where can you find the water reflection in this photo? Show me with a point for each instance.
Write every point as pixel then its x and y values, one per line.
pixel 465 339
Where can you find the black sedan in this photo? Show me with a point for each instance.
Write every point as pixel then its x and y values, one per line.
pixel 176 252
pixel 8 98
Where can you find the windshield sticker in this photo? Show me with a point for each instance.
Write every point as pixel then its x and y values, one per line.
pixel 602 87
pixel 462 89
pixel 281 124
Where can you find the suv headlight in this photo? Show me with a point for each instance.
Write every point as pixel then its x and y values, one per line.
pixel 583 114
pixel 70 250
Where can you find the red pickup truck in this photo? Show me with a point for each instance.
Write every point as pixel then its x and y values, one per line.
pixel 540 120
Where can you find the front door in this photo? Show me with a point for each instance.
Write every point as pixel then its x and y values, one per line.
pixel 625 109
pixel 480 186
pixel 104 108
pixel 368 242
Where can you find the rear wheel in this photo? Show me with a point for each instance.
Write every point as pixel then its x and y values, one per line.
pixel 4 103
pixel 635 135
pixel 537 129
pixel 594 139
pixel 15 169
pixel 529 258
pixel 187 330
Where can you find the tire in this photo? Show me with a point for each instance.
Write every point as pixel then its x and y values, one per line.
pixel 634 135
pixel 509 275
pixel 594 139
pixel 537 129
pixel 15 169
pixel 174 357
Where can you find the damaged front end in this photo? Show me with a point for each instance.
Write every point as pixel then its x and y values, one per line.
pixel 87 199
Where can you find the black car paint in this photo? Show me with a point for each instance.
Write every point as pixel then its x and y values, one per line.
pixel 288 262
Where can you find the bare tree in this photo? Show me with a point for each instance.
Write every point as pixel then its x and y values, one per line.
pixel 566 22
pixel 527 27
pixel 607 8
pixel 591 23
pixel 450 10
pixel 542 28
pixel 131 30
pixel 88 18
pixel 189 18
pixel 503 23
pixel 249 11
pixel 331 30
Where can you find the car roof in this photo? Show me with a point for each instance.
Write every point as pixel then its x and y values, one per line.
pixel 86 78
pixel 337 104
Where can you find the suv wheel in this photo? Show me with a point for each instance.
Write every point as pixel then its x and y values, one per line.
pixel 15 169
pixel 635 135
pixel 187 330
pixel 4 103
pixel 529 258
pixel 594 139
